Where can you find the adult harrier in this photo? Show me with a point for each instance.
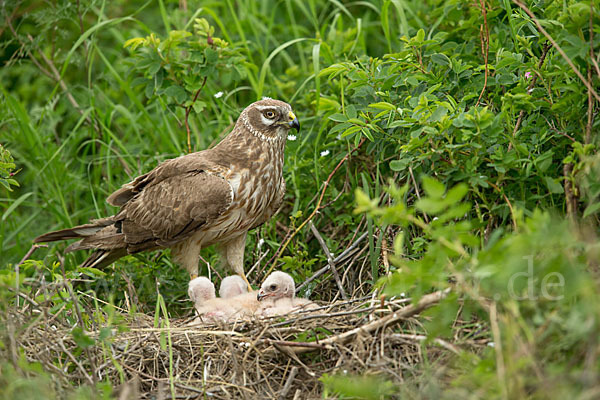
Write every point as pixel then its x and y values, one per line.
pixel 210 197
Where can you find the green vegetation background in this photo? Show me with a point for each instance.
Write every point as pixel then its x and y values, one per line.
pixel 476 126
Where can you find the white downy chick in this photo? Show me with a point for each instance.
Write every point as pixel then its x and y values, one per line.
pixel 232 286
pixel 210 308
pixel 277 296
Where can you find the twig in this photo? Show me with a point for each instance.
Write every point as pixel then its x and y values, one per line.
pixel 421 338
pixel 510 207
pixel 587 84
pixel 590 113
pixel 408 311
pixel 414 181
pixel 329 315
pixel 295 344
pixel 317 207
pixel 188 109
pixel 75 301
pixel 336 260
pixel 18 269
pixel 75 361
pixel 485 48
pixel 569 193
pixel 330 259
pixel 154 378
pixel 288 383
pixel 501 370
pixel 30 252
pixel 257 263
pixel 529 87
pixel 592 40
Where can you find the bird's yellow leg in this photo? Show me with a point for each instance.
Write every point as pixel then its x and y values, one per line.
pixel 193 276
pixel 247 282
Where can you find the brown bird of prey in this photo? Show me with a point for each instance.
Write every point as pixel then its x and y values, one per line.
pixel 210 197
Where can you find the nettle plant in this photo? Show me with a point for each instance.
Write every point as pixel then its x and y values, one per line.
pixel 177 68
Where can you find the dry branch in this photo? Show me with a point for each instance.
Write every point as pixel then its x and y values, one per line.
pixel 425 302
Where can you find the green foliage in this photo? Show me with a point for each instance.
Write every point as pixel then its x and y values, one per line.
pixel 7 169
pixel 357 387
pixel 537 280
pixel 476 138
pixel 178 66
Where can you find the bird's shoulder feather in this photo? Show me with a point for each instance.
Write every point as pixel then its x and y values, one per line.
pixel 202 161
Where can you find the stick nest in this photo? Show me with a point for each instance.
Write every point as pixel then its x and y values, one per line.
pixel 278 357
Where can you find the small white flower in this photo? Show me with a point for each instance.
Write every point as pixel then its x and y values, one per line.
pixel 324 153
pixel 402 294
pixel 435 218
pixel 339 136
pixel 291 138
pixel 491 344
pixel 261 241
pixel 218 94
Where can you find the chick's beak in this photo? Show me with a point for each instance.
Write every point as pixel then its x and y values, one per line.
pixel 260 295
pixel 293 121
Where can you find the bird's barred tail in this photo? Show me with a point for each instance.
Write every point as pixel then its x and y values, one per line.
pixel 102 258
pixel 100 235
pixel 78 232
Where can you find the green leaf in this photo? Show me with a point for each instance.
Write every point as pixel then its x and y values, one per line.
pixel 350 131
pixel 81 339
pixel 591 209
pixel 351 111
pixel 398 165
pixel 553 186
pixel 457 193
pixel 333 70
pixel 440 59
pixel 420 35
pixel 211 55
pixel 359 387
pixel 430 205
pixel 368 134
pixel 177 92
pixel 199 106
pixel 356 121
pixel 433 187
pixel 382 105
pixel 337 117
pixel 134 43
pixel 154 67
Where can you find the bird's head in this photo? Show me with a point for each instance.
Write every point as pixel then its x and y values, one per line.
pixel 278 285
pixel 201 289
pixel 232 286
pixel 269 119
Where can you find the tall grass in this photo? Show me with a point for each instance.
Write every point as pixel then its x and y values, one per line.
pixel 519 135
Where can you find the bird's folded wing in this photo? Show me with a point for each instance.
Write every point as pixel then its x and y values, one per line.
pixel 171 209
pixel 195 162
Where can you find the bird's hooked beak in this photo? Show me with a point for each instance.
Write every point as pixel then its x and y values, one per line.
pixel 261 295
pixel 293 121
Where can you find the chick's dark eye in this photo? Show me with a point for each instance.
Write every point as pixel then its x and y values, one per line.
pixel 273 287
pixel 270 114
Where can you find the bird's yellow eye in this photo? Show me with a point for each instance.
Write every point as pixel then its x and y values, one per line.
pixel 270 114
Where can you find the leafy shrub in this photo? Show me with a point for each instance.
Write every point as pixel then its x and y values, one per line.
pixel 472 139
